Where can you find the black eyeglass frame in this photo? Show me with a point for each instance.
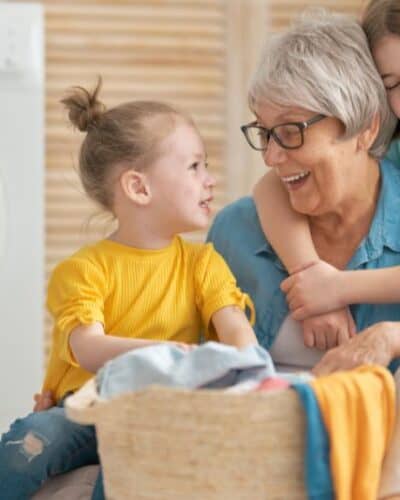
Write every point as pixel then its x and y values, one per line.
pixel 270 132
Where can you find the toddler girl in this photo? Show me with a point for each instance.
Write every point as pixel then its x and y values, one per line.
pixel 144 162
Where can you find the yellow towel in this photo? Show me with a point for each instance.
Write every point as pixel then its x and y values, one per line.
pixel 358 409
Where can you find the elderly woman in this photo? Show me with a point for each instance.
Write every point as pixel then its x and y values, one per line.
pixel 321 122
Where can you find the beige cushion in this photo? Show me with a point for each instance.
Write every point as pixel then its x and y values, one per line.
pixel 75 485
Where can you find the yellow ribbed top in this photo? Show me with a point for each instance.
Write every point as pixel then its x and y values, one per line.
pixel 166 294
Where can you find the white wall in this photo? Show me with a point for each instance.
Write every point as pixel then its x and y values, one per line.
pixel 21 207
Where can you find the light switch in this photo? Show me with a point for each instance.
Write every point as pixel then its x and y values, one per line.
pixel 19 42
pixel 12 48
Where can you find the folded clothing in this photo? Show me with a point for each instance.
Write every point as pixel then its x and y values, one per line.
pixel 358 410
pixel 210 365
pixel 390 478
pixel 353 412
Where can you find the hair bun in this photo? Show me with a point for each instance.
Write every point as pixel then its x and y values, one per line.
pixel 84 108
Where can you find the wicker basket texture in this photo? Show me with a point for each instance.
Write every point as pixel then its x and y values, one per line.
pixel 172 444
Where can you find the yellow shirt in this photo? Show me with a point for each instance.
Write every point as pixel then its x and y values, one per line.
pixel 166 294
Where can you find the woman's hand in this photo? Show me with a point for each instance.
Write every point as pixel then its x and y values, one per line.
pixel 314 289
pixel 43 401
pixel 329 330
pixel 377 344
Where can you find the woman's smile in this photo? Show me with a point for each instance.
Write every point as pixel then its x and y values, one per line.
pixel 295 181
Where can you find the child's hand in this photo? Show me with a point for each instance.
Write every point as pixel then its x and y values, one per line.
pixel 43 401
pixel 329 330
pixel 315 289
pixel 185 347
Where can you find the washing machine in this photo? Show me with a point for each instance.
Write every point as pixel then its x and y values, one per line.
pixel 21 207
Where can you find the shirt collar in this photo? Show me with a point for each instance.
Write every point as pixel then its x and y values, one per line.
pixel 385 226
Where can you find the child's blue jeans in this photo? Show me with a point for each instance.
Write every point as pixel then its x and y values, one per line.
pixel 40 446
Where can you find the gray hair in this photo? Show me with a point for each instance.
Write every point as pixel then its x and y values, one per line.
pixel 323 63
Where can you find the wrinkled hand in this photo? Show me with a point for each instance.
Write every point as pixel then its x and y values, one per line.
pixel 329 330
pixel 43 401
pixel 313 289
pixel 374 345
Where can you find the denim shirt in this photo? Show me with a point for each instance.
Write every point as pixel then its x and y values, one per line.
pixel 236 233
pixel 393 153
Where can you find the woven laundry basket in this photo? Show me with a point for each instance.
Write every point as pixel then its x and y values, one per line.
pixel 174 444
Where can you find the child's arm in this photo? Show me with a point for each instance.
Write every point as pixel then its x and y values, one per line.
pixel 92 347
pixel 289 234
pixel 322 288
pixel 371 285
pixel 287 231
pixel 233 327
pixel 329 330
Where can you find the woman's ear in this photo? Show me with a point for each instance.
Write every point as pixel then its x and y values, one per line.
pixel 135 186
pixel 368 136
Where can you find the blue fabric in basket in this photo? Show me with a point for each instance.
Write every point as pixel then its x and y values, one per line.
pixel 317 463
pixel 210 365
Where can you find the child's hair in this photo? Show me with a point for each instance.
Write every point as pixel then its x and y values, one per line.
pixel 127 135
pixel 382 18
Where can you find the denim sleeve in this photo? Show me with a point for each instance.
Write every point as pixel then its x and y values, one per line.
pixel 393 153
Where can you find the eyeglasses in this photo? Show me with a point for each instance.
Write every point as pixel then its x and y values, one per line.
pixel 287 135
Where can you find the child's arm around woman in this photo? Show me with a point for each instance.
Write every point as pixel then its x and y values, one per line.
pixel 289 234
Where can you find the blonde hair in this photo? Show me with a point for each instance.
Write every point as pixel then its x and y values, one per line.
pixel 382 18
pixel 323 62
pixel 126 135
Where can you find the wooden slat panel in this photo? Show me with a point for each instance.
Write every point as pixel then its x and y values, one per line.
pixel 148 49
pixel 283 11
